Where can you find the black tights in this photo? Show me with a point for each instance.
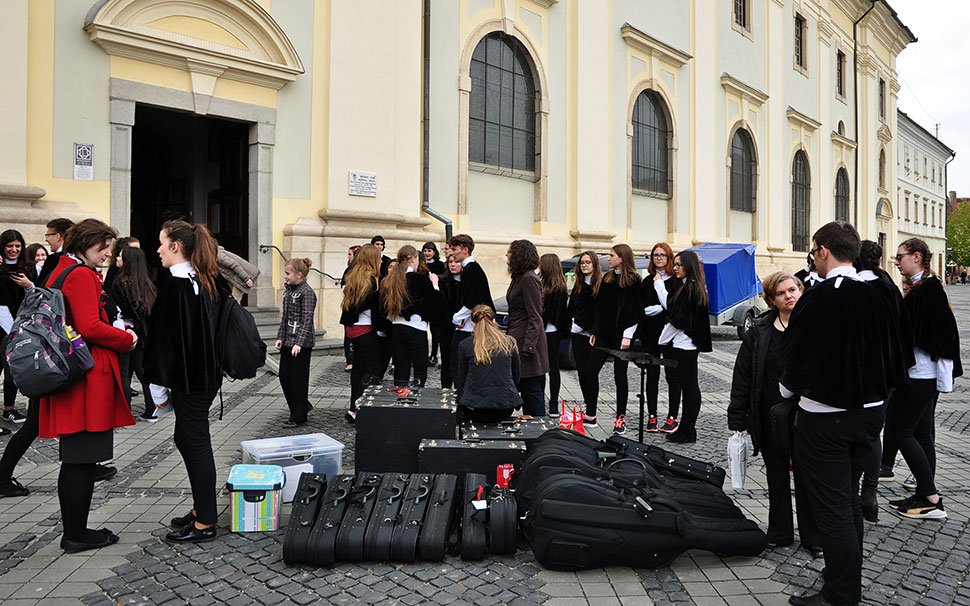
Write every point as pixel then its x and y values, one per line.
pixel 75 485
pixel 684 382
pixel 19 442
pixel 555 378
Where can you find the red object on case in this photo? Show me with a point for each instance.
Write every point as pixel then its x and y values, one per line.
pixel 503 473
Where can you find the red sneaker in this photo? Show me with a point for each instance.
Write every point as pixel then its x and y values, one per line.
pixel 670 425
pixel 652 424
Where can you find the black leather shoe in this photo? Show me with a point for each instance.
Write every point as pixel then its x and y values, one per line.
pixel 191 534
pixel 182 522
pixel 682 437
pixel 870 506
pixel 292 423
pixel 814 550
pixel 814 599
pixel 103 472
pixel 70 546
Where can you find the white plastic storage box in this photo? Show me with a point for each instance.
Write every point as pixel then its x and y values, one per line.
pixel 315 452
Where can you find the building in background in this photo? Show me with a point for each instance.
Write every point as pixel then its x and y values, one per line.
pixel 921 197
pixel 312 125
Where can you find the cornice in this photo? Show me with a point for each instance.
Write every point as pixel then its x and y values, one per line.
pixel 745 91
pixel 884 134
pixel 843 141
pixel 546 4
pixel 650 45
pixel 801 119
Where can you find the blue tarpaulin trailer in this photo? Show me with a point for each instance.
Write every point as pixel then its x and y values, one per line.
pixel 733 285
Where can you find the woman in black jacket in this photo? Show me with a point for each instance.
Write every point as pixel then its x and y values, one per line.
pixel 582 311
pixel 618 311
pixel 15 279
pixel 411 300
pixel 448 285
pixel 488 371
pixel 937 352
pixel 754 391
pixel 686 334
pixel 134 293
pixel 181 356
pixel 362 318
pixel 555 319
pixel 651 325
pixel 436 266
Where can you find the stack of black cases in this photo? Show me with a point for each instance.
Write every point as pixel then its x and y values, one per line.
pixel 397 517
pixel 391 424
pixel 469 456
pixel 521 429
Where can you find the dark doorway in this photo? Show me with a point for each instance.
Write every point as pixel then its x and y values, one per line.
pixel 190 167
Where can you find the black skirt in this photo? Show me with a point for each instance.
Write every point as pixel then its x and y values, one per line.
pixel 87 446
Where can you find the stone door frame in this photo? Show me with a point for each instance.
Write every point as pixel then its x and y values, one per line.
pixel 125 94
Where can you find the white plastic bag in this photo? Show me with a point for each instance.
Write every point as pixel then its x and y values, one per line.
pixel 738 455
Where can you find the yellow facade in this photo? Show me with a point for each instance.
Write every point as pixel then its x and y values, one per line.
pixel 329 87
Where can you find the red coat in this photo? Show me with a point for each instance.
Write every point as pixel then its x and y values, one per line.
pixel 95 402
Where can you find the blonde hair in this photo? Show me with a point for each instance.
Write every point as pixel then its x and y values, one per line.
pixel 300 266
pixel 770 286
pixel 488 338
pixel 362 277
pixel 395 286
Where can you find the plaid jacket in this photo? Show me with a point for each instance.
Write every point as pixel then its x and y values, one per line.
pixel 296 327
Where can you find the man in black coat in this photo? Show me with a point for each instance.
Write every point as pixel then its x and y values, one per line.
pixel 472 290
pixel 838 355
pixel 56 229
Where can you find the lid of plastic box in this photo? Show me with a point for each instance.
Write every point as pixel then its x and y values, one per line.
pixel 292 446
pixel 255 477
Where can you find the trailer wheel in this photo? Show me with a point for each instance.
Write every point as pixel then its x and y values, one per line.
pixel 746 325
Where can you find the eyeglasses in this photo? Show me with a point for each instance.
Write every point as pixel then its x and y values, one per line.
pixel 51 235
pixel 676 264
pixel 585 262
pixel 659 255
pixel 899 257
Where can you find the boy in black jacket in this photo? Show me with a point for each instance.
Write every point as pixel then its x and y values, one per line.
pixel 472 290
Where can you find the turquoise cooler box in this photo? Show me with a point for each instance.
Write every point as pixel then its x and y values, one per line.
pixel 315 452
pixel 255 497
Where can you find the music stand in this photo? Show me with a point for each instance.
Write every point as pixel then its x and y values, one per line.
pixel 642 360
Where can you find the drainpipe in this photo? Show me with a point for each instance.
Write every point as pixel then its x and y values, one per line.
pixel 425 120
pixel 855 84
pixel 946 205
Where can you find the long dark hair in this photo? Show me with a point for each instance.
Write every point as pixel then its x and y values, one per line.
pixel 432 246
pixel 523 258
pixel 133 282
pixel 394 288
pixel 628 269
pixel 870 255
pixel 912 246
pixel 12 235
pixel 695 285
pixel 550 271
pixel 199 247
pixel 119 245
pixel 595 277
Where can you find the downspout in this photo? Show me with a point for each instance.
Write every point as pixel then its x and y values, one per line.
pixel 946 214
pixel 855 95
pixel 425 119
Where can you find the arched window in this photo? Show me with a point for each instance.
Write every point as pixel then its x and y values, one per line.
pixel 502 106
pixel 801 185
pixel 651 145
pixel 842 195
pixel 882 168
pixel 744 166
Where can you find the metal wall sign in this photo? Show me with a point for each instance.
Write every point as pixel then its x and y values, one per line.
pixel 83 162
pixel 362 184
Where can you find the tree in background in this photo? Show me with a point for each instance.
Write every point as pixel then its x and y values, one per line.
pixel 958 235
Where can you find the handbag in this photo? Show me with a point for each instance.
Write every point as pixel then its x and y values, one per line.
pixel 571 419
pixel 782 420
pixel 738 455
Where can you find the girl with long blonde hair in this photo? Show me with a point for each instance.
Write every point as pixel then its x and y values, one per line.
pixel 411 300
pixel 362 318
pixel 487 370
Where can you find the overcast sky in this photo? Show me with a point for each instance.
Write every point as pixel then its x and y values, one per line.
pixel 935 77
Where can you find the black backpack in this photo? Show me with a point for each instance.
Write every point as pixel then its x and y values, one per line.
pixel 239 349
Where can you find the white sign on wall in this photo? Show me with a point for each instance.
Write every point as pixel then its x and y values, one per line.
pixel 363 184
pixel 83 162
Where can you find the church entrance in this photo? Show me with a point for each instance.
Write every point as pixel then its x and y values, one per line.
pixel 190 167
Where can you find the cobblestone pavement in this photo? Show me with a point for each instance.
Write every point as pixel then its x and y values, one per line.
pixel 907 562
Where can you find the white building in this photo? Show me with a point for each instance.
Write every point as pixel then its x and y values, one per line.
pixel 921 161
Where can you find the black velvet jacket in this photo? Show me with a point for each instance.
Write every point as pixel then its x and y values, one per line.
pixel 691 316
pixel 617 308
pixel 934 326
pixel 555 312
pixel 181 349
pixel 581 308
pixel 371 303
pixel 422 299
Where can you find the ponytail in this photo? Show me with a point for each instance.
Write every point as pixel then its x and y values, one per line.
pixel 199 247
pixel 488 339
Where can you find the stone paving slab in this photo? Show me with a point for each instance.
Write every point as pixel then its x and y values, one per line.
pixel 907 562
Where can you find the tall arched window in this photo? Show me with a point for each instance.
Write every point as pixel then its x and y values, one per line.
pixel 882 168
pixel 502 106
pixel 744 166
pixel 842 195
pixel 651 145
pixel 801 185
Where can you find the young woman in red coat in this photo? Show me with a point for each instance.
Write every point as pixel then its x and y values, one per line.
pixel 84 415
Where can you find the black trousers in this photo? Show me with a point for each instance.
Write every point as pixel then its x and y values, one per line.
pixel 533 397
pixel 19 442
pixel 831 451
pixel 456 338
pixel 195 445
pixel 598 357
pixel 446 333
pixel 295 381
pixel 9 388
pixel 367 364
pixel 870 477
pixel 435 332
pixel 685 381
pixel 555 377
pixel 889 447
pixel 781 529
pixel 653 381
pixel 911 425
pixel 410 351
pixel 348 349
pixel 581 351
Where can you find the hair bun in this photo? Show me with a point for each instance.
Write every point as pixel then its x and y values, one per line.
pixel 308 262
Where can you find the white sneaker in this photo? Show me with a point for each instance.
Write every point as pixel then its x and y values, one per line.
pixel 910 482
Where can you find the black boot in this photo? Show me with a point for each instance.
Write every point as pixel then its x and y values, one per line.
pixel 870 507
